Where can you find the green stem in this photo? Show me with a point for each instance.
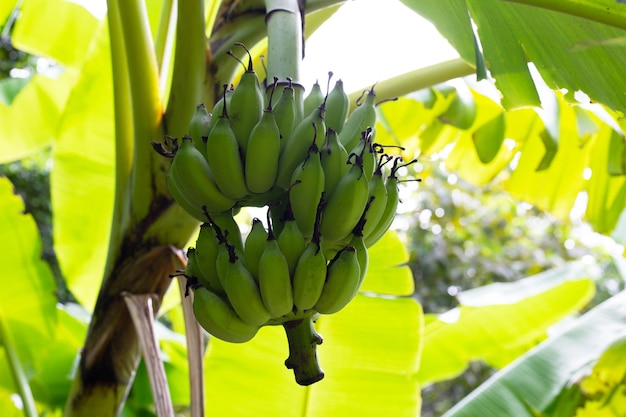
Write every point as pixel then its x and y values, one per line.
pixel 19 376
pixel 596 12
pixel 284 39
pixel 285 43
pixel 303 341
pixel 163 31
pixel 124 144
pixel 143 75
pixel 416 80
pixel 189 70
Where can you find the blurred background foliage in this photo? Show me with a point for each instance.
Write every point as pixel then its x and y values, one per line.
pixel 461 236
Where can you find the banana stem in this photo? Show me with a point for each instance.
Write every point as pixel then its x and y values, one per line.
pixel 303 341
pixel 417 79
pixel 285 43
pixel 284 39
pixel 190 62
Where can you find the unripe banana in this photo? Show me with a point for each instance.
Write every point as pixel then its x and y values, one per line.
pixel 243 292
pixel 314 99
pixel 222 261
pixel 192 269
pixel 262 154
pixel 184 200
pixel 217 316
pixel 285 113
pixel 290 240
pixel 378 198
pixel 337 106
pixel 226 228
pixel 218 107
pixel 365 151
pixel 296 149
pixel 310 272
pixel 346 205
pixel 225 160
pixel 246 104
pixel 207 247
pixel 254 246
pixel 306 191
pixel 342 282
pixel 334 158
pixel 199 127
pixel 274 278
pixel 359 120
pixel 192 174
pixel 358 242
pixel 393 198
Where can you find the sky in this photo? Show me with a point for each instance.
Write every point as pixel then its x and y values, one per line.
pixel 367 41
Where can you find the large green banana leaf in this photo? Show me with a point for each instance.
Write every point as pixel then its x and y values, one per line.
pixel 533 384
pixel 570 50
pixel 499 322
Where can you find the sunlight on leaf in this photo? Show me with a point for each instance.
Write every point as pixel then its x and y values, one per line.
pixel 536 379
pixel 556 187
pixel 370 355
pixel 27 299
pixel 387 272
pixel 38 31
pixel 83 176
pixel 29 124
pixel 501 321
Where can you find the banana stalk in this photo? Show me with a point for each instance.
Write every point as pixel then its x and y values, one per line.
pixel 303 341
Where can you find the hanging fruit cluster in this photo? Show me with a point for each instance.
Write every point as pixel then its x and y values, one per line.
pixel 330 192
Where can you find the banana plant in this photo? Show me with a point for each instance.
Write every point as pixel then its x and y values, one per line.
pixel 136 74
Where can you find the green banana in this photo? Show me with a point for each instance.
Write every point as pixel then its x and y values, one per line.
pixel 359 120
pixel 199 127
pixel 225 160
pixel 311 128
pixel 207 247
pixel 358 242
pixel 393 198
pixel 308 186
pixel 184 200
pixel 246 104
pixel 290 240
pixel 334 158
pixel 310 272
pixel 274 278
pixel 192 271
pixel 345 206
pixel 337 106
pixel 243 291
pixel 378 197
pixel 226 228
pixel 285 113
pixel 217 316
pixel 218 107
pixel 314 99
pixel 365 151
pixel 254 245
pixel 342 281
pixel 262 153
pixel 192 175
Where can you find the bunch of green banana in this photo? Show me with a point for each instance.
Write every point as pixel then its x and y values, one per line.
pixel 330 191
